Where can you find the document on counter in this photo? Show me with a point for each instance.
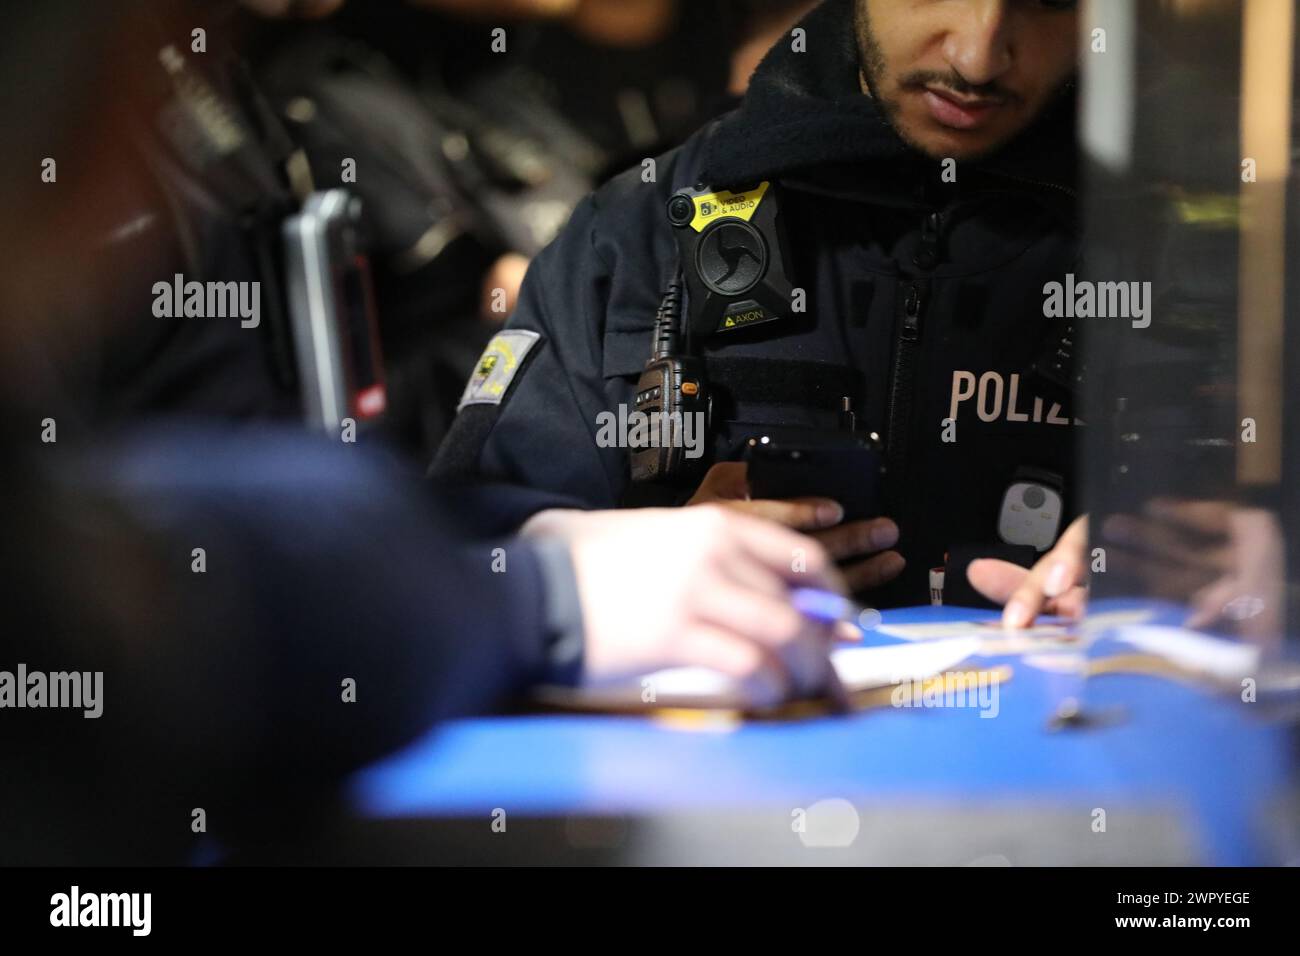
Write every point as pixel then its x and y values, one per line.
pixel 859 669
pixel 994 639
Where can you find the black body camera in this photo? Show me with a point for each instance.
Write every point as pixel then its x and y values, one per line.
pixel 734 252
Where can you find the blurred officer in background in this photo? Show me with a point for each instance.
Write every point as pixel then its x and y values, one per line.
pixel 472 149
pixel 269 610
pixel 466 161
pixel 922 159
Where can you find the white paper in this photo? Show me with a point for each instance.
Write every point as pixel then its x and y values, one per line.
pixel 859 668
pixel 1224 660
pixel 957 629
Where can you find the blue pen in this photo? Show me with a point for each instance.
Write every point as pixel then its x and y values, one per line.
pixel 829 607
pixel 826 606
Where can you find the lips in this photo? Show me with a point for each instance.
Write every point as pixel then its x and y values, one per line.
pixel 958 113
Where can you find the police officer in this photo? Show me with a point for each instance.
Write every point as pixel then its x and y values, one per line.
pixel 924 158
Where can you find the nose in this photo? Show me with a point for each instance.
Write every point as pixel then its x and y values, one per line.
pixel 978 46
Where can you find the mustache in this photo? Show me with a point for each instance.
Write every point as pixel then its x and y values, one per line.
pixel 920 79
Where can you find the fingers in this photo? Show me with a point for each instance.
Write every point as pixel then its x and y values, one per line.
pixel 724 481
pixel 800 514
pixel 1170 544
pixel 1062 571
pixel 851 540
pixel 1074 540
pixel 847 631
pixel 875 571
pixel 1160 579
pixel 794 558
pixel 741 568
pixel 1208 603
pixel 1055 574
pixel 1050 578
pixel 727 483
pixel 556 522
pixel 1071 604
pixel 802 646
pixel 762 680
pixel 859 537
pixel 724 575
pixel 749 613
pixel 1002 581
pixel 1025 604
pixel 1210 518
pixel 997 580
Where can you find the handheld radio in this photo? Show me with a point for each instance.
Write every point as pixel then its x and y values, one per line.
pixel 671 388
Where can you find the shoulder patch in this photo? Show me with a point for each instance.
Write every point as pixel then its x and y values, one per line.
pixel 497 367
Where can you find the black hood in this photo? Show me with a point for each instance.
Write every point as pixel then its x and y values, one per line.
pixel 805 110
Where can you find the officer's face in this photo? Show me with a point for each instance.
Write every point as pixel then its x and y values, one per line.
pixel 959 78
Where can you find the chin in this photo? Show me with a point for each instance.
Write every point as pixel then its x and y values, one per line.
pixel 942 143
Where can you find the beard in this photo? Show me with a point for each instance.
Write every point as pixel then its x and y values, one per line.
pixel 871 65
pixel 871 61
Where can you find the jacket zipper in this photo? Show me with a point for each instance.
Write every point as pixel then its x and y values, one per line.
pixel 902 388
pixel 906 348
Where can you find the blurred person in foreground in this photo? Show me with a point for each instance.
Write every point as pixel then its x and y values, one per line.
pixel 269 611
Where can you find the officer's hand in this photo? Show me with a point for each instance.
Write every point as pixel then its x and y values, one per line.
pixel 726 484
pixel 1055 585
pixel 700 586
pixel 1225 561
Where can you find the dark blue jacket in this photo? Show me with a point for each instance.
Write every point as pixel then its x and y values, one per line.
pixel 874 232
pixel 223 683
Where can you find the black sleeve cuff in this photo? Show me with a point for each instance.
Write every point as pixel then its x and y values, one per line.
pixel 564 624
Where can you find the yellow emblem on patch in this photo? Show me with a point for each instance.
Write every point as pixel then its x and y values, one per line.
pixel 497 367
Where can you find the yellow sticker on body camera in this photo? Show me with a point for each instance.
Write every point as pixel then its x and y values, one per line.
pixel 725 204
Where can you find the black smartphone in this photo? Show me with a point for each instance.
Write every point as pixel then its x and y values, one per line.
pixel 848 471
